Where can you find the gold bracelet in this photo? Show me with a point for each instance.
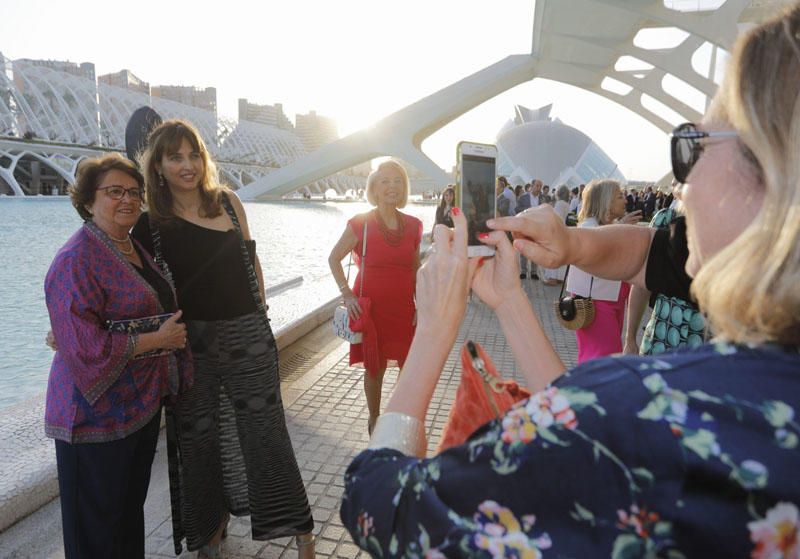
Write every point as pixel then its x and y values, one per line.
pixel 401 432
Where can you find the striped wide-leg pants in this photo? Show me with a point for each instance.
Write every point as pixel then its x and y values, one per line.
pixel 234 451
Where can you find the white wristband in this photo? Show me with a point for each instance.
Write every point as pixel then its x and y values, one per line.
pixel 401 432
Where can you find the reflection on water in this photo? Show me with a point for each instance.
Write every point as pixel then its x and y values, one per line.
pixel 293 239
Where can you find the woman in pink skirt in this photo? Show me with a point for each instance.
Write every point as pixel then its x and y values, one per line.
pixel 603 203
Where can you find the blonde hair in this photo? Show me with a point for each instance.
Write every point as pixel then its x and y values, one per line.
pixel 373 178
pixel 597 199
pixel 166 139
pixel 750 290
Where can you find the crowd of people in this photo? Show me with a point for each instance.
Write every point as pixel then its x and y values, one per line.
pixel 647 201
pixel 665 453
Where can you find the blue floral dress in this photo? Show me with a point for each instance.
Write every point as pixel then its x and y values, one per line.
pixel 692 454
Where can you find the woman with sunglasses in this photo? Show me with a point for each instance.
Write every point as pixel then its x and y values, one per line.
pixel 105 392
pixel 691 454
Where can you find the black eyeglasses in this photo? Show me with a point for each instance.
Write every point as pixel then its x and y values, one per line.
pixel 116 192
pixel 686 149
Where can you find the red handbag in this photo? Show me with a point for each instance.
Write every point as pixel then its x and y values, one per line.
pixel 483 395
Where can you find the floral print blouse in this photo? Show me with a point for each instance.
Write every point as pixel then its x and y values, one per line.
pixel 692 454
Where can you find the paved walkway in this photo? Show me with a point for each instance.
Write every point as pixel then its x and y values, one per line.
pixel 327 417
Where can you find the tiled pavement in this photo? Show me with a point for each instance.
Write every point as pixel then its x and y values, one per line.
pixel 327 417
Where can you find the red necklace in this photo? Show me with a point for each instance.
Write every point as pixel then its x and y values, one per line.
pixel 393 237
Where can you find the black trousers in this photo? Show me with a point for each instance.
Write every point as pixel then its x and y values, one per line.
pixel 103 488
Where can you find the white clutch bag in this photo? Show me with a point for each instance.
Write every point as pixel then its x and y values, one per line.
pixel 341 318
pixel 341 326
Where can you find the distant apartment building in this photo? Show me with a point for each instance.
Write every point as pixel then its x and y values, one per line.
pixel 202 98
pixel 315 130
pixel 126 80
pixel 270 115
pixel 84 69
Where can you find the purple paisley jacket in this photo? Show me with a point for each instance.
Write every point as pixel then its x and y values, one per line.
pixel 96 392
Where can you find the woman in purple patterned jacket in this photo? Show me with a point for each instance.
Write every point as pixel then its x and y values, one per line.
pixel 106 388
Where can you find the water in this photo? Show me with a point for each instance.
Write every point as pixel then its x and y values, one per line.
pixel 293 239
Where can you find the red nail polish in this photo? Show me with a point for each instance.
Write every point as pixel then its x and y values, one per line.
pixel 480 262
pixel 455 211
pixel 483 235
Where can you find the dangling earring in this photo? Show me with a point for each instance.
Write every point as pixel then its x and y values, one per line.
pixel 161 182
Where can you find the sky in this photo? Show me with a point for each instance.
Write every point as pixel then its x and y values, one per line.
pixel 354 60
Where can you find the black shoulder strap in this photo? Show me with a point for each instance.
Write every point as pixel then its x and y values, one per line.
pixel 158 256
pixel 252 278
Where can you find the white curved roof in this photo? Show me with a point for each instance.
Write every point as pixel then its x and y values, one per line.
pixel 578 42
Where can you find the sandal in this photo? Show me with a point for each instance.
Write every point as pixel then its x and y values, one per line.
pixel 209 552
pixel 304 542
pixel 212 551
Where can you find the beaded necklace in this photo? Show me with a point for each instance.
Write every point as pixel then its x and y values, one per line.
pixel 126 239
pixel 393 237
pixel 130 248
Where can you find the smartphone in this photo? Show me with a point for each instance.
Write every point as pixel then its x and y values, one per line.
pixel 475 194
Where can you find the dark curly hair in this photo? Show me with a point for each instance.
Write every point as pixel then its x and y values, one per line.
pixel 91 173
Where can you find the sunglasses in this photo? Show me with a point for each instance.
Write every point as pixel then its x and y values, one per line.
pixel 116 192
pixel 686 149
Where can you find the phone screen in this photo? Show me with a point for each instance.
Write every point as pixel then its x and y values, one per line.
pixel 477 194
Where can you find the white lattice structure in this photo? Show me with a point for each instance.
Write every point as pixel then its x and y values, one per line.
pixel 64 117
pixel 586 43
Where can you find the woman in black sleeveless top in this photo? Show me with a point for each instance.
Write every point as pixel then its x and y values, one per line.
pixel 232 420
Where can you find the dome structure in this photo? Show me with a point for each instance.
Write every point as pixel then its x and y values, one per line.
pixel 534 146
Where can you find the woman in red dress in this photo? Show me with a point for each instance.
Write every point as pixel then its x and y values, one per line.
pixel 388 272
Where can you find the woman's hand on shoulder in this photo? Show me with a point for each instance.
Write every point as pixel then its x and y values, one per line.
pixel 50 341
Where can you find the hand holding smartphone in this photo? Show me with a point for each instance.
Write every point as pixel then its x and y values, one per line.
pixel 475 194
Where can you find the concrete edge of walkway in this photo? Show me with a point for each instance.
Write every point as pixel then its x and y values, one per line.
pixel 29 478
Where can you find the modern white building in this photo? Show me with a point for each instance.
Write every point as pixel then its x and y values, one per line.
pixel 534 146
pixel 54 114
